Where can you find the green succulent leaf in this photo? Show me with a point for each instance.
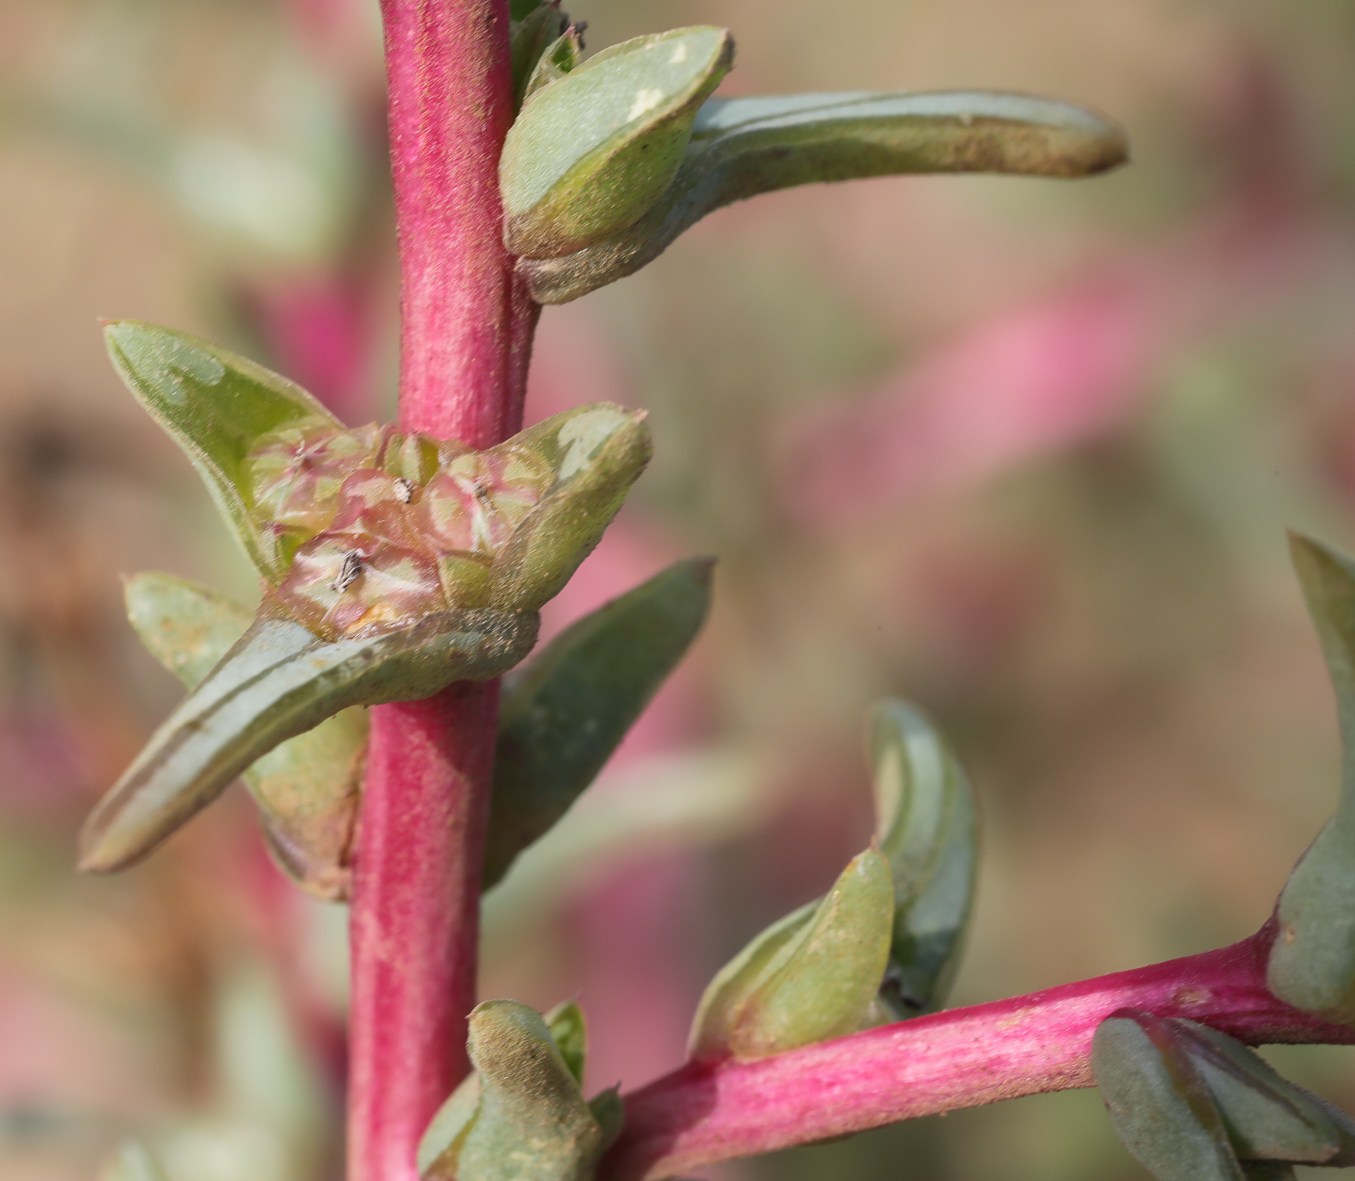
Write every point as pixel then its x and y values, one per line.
pixel 569 1031
pixel 519 10
pixel 307 788
pixel 609 1109
pixel 521 1116
pixel 559 59
pixel 568 710
pixel 132 1161
pixel 215 405
pixel 733 984
pixel 928 828
pixel 593 151
pixel 741 147
pixel 1312 961
pixel 1266 1116
pixel 597 453
pixel 278 681
pixel 532 36
pixel 812 976
pixel 1158 1104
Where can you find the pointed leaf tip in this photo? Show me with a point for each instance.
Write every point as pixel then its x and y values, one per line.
pixel 812 976
pixel 927 826
pixel 1158 1104
pixel 279 681
pixel 521 1115
pixel 594 150
pixel 744 146
pixel 306 789
pixel 214 404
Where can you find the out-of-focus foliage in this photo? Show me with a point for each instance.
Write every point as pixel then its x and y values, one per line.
pixel 1019 451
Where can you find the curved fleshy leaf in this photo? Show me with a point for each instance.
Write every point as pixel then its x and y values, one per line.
pixel 733 984
pixel 531 37
pixel 307 788
pixel 214 404
pixel 927 827
pixel 812 976
pixel 1312 961
pixel 593 151
pixel 744 146
pixel 559 59
pixel 569 709
pixel 278 681
pixel 1266 1116
pixel 521 1116
pixel 597 453
pixel 1158 1104
pixel 569 1031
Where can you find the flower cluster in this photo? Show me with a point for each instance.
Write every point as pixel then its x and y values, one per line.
pixel 383 526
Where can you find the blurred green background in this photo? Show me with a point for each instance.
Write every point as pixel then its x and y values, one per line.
pixel 1022 451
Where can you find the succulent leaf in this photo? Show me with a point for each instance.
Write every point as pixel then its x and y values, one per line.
pixel 1158 1103
pixel 565 714
pixel 1266 1116
pixel 216 406
pixel 812 976
pixel 278 681
pixel 927 827
pixel 593 151
pixel 744 146
pixel 569 1031
pixel 307 788
pixel 733 984
pixel 597 453
pixel 521 1116
pixel 559 59
pixel 531 37
pixel 1312 961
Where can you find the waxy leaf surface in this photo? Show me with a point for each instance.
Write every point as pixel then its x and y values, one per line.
pixel 1158 1104
pixel 559 59
pixel 307 788
pixel 927 827
pixel 569 1031
pixel 594 150
pixel 521 1116
pixel 1266 1116
pixel 812 976
pixel 531 37
pixel 278 681
pixel 1312 961
pixel 597 453
pixel 744 146
pixel 215 405
pixel 569 709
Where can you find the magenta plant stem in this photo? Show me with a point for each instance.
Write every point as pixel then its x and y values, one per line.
pixel 959 1058
pixel 466 333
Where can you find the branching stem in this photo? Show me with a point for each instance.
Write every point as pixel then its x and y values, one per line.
pixel 959 1058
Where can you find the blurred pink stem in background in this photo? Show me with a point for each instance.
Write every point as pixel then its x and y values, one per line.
pixel 959 1058
pixel 465 339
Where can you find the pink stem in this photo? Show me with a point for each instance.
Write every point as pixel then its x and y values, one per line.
pixel 450 95
pixel 466 337
pixel 415 919
pixel 701 1114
